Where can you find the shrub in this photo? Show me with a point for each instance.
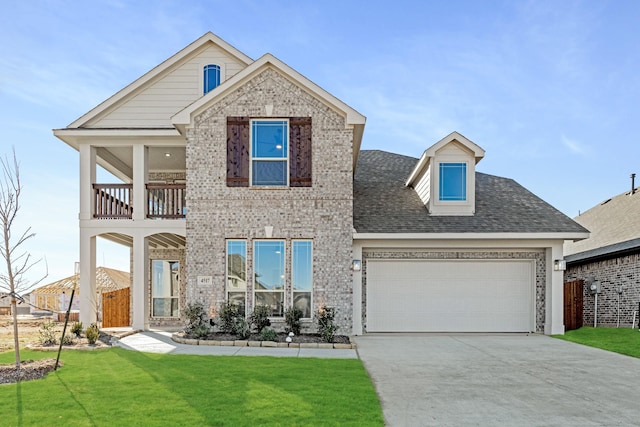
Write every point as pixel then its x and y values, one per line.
pixel 229 315
pixel 92 333
pixel 197 326
pixel 326 326
pixel 292 318
pixel 67 340
pixel 241 328
pixel 268 334
pixel 260 318
pixel 76 329
pixel 47 333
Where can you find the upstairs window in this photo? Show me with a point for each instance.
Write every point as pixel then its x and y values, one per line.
pixel 269 152
pixel 211 77
pixel 453 181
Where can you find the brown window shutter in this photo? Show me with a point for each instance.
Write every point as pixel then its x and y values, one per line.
pixel 300 151
pixel 238 146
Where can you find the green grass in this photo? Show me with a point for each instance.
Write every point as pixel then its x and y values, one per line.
pixel 619 340
pixel 120 387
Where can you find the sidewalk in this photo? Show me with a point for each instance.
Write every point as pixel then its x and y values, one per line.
pixel 161 342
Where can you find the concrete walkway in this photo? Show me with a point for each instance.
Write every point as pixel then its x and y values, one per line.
pixel 161 342
pixel 500 380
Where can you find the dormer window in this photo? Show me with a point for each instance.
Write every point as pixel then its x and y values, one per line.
pixel 453 182
pixel 211 77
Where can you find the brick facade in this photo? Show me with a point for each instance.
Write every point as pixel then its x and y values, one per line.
pixel 537 255
pixel 612 273
pixel 322 213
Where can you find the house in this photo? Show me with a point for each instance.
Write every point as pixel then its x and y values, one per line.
pixel 55 296
pixel 610 258
pixel 244 181
pixel 22 307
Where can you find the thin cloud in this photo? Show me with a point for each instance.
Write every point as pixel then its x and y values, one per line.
pixel 574 145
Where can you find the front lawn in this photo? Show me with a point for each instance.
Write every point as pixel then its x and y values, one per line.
pixel 619 340
pixel 120 387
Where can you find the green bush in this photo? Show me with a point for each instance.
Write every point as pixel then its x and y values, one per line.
pixel 229 315
pixel 67 339
pixel 197 325
pixel 260 318
pixel 47 333
pixel 268 334
pixel 326 326
pixel 92 333
pixel 292 318
pixel 76 328
pixel 242 328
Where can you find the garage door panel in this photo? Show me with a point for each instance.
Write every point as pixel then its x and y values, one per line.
pixel 449 296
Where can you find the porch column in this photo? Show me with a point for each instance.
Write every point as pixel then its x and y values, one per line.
pixel 88 301
pixel 87 179
pixel 554 324
pixel 140 175
pixel 140 292
pixel 357 290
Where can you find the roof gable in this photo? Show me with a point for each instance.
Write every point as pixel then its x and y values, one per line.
pixel 174 77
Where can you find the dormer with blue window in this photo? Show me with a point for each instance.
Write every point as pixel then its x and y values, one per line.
pixel 444 177
pixel 211 77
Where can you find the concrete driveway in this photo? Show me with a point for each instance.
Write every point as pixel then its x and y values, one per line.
pixel 505 380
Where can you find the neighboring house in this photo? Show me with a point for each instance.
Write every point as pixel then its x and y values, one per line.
pixel 611 257
pixel 55 296
pixel 244 181
pixel 5 304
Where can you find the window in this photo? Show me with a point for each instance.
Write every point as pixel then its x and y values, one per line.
pixel 268 267
pixel 211 77
pixel 453 181
pixel 237 273
pixel 269 152
pixel 302 276
pixel 165 288
pixel 281 153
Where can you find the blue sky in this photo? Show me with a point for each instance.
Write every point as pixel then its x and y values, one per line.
pixel 548 88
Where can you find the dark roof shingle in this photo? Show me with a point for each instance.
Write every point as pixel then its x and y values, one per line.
pixel 382 203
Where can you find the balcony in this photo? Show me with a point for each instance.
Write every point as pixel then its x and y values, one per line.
pixel 115 201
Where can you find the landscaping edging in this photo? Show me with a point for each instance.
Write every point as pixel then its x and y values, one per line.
pixel 177 337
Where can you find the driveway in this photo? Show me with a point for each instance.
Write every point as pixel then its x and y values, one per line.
pixel 506 380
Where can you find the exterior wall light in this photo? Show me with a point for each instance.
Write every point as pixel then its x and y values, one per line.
pixel 357 265
pixel 559 265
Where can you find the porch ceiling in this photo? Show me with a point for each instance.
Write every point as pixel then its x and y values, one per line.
pixel 156 241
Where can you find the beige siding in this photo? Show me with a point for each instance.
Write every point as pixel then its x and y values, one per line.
pixel 423 185
pixel 158 100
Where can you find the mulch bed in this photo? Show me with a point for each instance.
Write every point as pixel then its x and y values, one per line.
pixel 282 337
pixel 29 370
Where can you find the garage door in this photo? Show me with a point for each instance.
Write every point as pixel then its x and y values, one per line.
pixel 449 296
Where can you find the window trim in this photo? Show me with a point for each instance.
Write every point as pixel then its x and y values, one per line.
pixel 285 159
pixel 177 297
pixel 440 183
pixel 310 291
pixel 283 291
pixel 246 271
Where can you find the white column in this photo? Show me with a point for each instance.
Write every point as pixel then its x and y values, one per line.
pixel 88 302
pixel 140 161
pixel 140 292
pixel 357 290
pixel 554 324
pixel 87 179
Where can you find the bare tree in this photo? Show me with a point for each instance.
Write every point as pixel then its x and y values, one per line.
pixel 17 263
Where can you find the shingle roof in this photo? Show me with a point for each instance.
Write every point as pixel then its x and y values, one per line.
pixel 382 203
pixel 612 222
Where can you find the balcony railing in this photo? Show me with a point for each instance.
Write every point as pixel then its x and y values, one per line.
pixel 114 201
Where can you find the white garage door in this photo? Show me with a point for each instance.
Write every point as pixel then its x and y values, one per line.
pixel 449 296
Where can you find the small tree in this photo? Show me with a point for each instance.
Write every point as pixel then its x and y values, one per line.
pixel 17 263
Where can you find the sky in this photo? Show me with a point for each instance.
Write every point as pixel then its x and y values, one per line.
pixel 548 88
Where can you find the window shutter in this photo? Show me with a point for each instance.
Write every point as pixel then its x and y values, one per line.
pixel 238 145
pixel 300 151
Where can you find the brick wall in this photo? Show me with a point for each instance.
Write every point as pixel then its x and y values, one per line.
pixel 611 273
pixel 537 255
pixel 322 212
